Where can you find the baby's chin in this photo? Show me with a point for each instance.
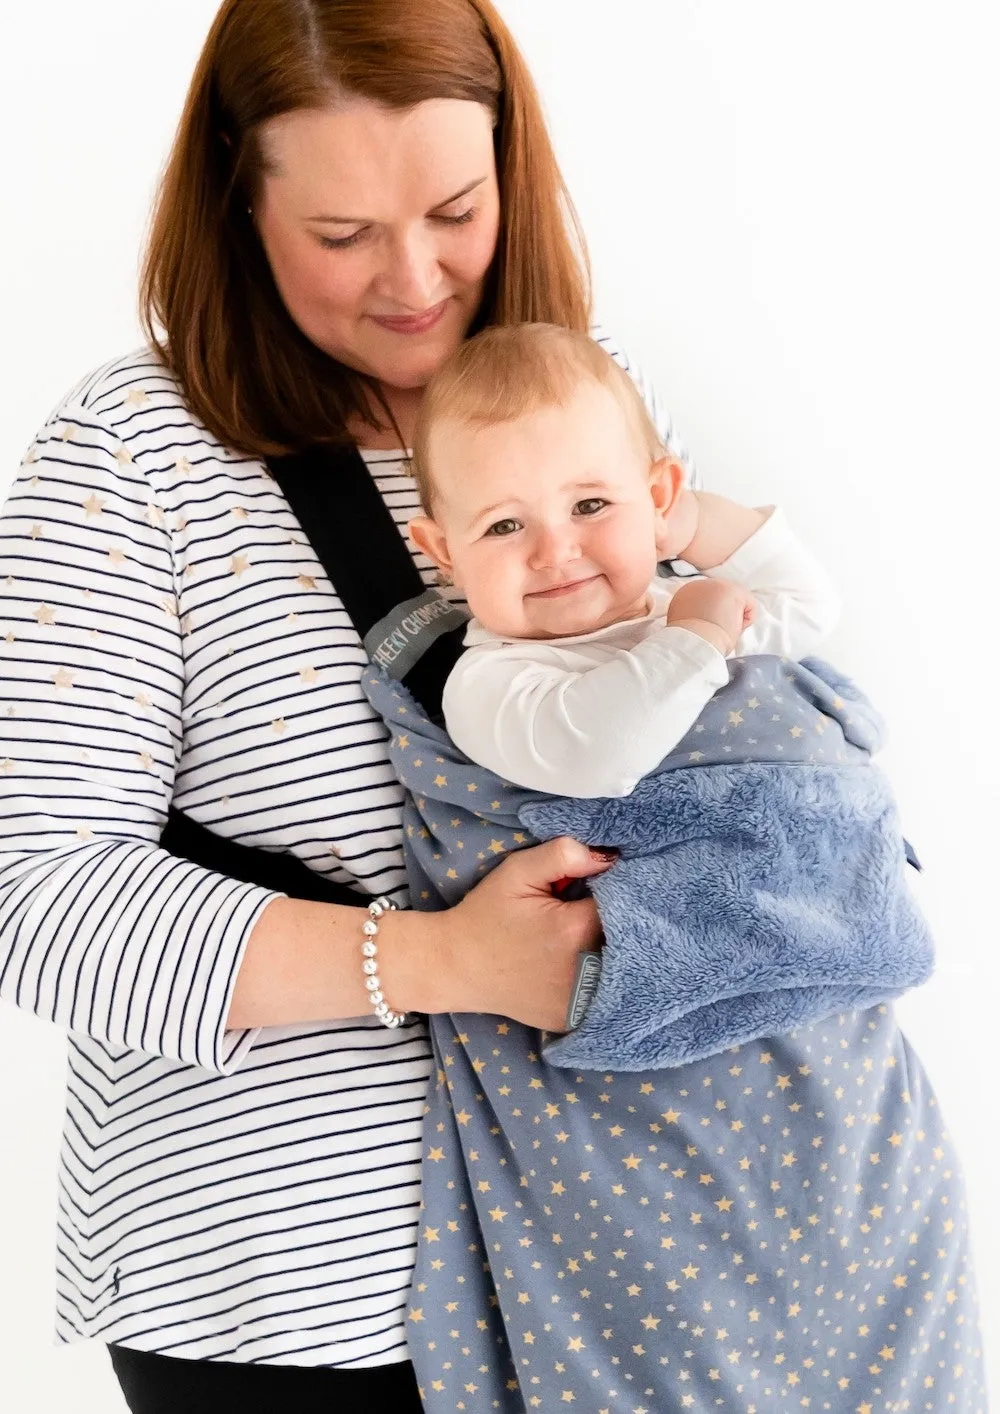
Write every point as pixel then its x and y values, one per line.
pixel 568 624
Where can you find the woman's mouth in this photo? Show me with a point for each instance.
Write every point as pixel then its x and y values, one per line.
pixel 411 323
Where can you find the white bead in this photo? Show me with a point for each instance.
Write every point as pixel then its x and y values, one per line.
pixel 369 966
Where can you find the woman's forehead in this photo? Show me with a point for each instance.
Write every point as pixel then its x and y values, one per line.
pixel 361 155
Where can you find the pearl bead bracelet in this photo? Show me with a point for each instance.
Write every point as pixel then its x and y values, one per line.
pixel 369 964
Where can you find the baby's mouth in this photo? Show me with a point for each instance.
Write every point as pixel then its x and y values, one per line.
pixel 557 590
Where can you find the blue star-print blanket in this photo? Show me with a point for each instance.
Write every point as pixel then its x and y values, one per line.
pixel 780 1224
pixel 761 884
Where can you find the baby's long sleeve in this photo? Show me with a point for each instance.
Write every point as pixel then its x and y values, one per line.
pixel 580 731
pixel 797 601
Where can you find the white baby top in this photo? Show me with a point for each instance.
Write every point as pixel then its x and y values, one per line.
pixel 590 715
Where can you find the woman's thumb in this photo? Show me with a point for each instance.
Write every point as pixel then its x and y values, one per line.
pixel 566 858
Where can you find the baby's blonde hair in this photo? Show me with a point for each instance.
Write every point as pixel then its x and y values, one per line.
pixel 509 370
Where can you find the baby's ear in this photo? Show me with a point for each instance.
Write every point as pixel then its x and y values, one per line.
pixel 666 482
pixel 429 538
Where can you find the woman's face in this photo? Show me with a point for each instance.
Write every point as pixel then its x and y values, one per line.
pixel 380 226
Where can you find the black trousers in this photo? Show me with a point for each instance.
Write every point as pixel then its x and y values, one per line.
pixel 161 1384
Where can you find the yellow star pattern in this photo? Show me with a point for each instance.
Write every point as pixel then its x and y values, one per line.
pixel 548 1232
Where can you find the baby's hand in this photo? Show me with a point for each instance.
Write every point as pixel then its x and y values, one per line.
pixel 715 609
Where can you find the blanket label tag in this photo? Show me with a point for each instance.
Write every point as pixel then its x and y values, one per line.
pixel 588 975
pixel 399 640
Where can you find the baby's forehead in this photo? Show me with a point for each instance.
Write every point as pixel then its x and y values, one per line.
pixel 572 420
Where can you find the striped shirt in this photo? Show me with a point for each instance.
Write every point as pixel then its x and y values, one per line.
pixel 167 633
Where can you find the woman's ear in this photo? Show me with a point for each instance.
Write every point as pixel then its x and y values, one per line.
pixel 429 538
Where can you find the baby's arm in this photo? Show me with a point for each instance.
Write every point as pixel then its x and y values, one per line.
pixel 795 602
pixel 516 709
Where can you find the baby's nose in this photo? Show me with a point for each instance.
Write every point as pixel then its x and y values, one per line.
pixel 554 545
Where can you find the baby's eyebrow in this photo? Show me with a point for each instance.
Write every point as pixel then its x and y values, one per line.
pixel 489 510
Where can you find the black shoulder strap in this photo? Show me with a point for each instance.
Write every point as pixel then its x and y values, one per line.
pixel 343 515
pixel 351 529
pixel 356 540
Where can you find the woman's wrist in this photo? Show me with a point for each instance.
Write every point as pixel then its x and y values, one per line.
pixel 414 961
pixel 304 962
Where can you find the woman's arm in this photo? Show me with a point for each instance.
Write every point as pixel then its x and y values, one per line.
pixel 509 948
pixel 102 931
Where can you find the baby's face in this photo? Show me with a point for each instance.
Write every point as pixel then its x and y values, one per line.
pixel 549 522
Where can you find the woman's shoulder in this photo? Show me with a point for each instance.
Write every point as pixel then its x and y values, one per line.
pixel 136 402
pixel 114 391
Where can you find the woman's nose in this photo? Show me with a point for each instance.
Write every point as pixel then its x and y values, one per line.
pixel 412 276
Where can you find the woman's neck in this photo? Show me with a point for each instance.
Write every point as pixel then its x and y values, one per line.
pixel 403 404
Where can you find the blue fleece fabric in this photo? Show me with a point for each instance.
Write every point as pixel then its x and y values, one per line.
pixel 762 878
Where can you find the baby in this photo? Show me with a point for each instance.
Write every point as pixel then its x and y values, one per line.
pixel 551 502
pixel 758 892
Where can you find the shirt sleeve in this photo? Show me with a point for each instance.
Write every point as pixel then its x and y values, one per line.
pixel 798 604
pixel 588 733
pixel 101 931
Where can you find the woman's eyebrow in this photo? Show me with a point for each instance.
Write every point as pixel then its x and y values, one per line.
pixel 459 194
pixel 360 220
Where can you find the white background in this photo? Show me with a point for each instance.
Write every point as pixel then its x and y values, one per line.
pixel 793 219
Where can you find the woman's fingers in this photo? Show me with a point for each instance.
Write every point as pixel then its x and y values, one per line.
pixel 512 946
pixel 536 870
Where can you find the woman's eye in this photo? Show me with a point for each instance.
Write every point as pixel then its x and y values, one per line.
pixel 500 528
pixel 459 220
pixel 343 242
pixel 591 506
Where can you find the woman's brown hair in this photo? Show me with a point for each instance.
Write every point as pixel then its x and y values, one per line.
pixel 247 371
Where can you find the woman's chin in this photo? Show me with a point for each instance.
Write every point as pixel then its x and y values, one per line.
pixel 409 361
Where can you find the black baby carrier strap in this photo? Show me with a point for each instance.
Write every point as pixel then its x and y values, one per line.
pixel 341 511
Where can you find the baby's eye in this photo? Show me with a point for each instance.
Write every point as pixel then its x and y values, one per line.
pixel 591 506
pixel 501 528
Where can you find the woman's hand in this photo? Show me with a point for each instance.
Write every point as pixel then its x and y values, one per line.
pixel 510 947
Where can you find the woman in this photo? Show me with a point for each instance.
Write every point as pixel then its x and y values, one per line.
pixel 352 189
